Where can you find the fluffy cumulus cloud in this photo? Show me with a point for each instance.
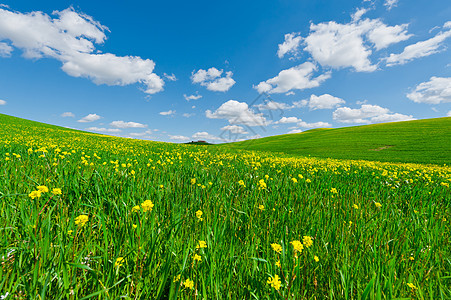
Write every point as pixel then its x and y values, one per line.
pixel 295 131
pixel 421 49
pixel 436 90
pixel 192 97
pixel 179 137
pixel 213 80
pixel 290 45
pixel 123 124
pixel 167 113
pixel 141 134
pixel 237 113
pixel 367 114
pixel 5 50
pixel 448 114
pixel 273 105
pixel 295 78
pixel 235 129
pixel 288 120
pixel 2 102
pixel 71 37
pixel 90 118
pixel 302 124
pixel 204 136
pixel 389 4
pixel 68 114
pixel 101 129
pixel 349 45
pixel 325 101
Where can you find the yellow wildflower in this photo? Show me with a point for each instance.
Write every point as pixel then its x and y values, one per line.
pixel 378 205
pixel 119 262
pixel 307 241
pixel 147 206
pixel 333 191
pixel 241 182
pixel 278 263
pixel 189 284
pixel 197 258
pixel 355 206
pixel 81 220
pixel 134 226
pixel 177 278
pixel 262 184
pixel 316 258
pixel 34 194
pixel 261 207
pixel 201 244
pixel 294 180
pixel 276 247
pixel 56 191
pixel 275 282
pixel 193 180
pixel 199 215
pixel 135 208
pixel 412 286
pixel 43 189
pixel 297 245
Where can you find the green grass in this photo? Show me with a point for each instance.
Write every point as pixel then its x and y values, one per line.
pixel 421 141
pixel 249 200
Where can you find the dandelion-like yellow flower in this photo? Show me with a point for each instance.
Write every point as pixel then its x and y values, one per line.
pixel 197 258
pixel 261 207
pixel 147 206
pixel 193 180
pixel 278 263
pixel 355 206
pixel 378 205
pixel 294 180
pixel 297 245
pixel 81 220
pixel 275 282
pixel 276 247
pixel 189 284
pixel 308 180
pixel 241 182
pixel 262 184
pixel 56 191
pixel 177 278
pixel 119 262
pixel 34 194
pixel 199 215
pixel 307 241
pixel 134 226
pixel 333 191
pixel 316 258
pixel 201 244
pixel 43 189
pixel 135 208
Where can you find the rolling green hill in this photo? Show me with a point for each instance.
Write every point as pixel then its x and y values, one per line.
pixel 419 141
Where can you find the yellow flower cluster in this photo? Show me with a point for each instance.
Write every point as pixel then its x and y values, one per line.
pixel 275 282
pixel 81 220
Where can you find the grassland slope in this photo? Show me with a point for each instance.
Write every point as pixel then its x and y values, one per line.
pixel 425 141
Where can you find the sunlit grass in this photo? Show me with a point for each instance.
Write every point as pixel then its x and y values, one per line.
pixel 149 220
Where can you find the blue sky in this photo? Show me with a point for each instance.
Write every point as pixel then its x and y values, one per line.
pixel 178 71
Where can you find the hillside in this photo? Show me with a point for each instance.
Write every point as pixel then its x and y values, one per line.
pixel 419 141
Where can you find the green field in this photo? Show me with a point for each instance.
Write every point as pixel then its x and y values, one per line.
pixel 89 216
pixel 422 141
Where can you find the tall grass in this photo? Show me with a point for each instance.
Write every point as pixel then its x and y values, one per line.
pixel 379 230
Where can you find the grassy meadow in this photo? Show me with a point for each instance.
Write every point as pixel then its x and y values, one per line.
pixel 88 216
pixel 421 141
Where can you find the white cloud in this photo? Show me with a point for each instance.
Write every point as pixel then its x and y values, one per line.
pixel 70 37
pixel 103 129
pixel 325 101
pixel 343 45
pixel 289 93
pixel 295 131
pixel 89 118
pixel 204 136
pixel 5 50
pixel 436 90
pixel 295 78
pixel 313 125
pixel 144 133
pixel 167 113
pixel 237 113
pixel 212 79
pixel 300 103
pixel 367 114
pixel 390 4
pixel 123 124
pixel 187 115
pixel 419 49
pixel 288 120
pixel 170 77
pixel 234 129
pixel 290 45
pixel 273 105
pixel 2 102
pixel 179 137
pixel 67 114
pixel 358 14
pixel 448 114
pixel 192 97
